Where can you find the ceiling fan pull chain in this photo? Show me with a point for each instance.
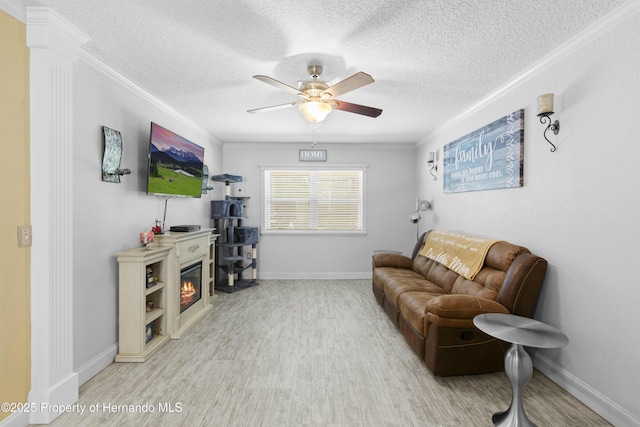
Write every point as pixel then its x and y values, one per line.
pixel 313 134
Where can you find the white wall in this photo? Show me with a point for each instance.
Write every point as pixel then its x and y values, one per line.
pixel 107 216
pixel 390 197
pixel 578 209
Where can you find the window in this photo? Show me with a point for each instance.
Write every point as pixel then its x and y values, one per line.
pixel 314 200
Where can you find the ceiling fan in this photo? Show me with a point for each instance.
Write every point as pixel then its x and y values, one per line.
pixel 317 99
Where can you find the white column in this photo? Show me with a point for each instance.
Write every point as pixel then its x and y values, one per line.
pixel 54 45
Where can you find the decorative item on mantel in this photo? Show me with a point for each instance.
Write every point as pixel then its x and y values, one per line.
pixel 146 237
pixel 112 143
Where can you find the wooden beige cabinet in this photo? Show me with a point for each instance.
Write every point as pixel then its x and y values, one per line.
pixel 164 291
pixel 190 260
pixel 143 275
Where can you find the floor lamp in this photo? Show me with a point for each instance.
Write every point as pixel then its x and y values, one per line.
pixel 414 217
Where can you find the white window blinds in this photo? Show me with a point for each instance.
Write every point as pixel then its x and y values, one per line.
pixel 316 200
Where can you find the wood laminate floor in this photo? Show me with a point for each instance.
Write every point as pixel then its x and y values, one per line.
pixel 304 353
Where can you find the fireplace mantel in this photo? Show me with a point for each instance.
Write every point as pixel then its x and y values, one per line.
pixel 188 248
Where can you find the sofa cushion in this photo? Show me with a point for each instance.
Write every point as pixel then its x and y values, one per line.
pixel 381 275
pixel 384 264
pixel 395 286
pixel 486 284
pixel 462 306
pixel 502 254
pixel 435 272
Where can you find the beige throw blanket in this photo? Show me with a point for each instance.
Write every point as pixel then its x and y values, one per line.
pixel 463 254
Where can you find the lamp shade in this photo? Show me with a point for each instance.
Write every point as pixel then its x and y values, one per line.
pixel 315 111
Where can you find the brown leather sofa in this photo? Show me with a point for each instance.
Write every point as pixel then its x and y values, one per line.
pixel 434 307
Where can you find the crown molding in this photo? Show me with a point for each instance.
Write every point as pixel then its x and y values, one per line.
pixel 14 9
pixel 138 90
pixel 591 33
pixel 369 146
pixel 46 29
pixel 19 12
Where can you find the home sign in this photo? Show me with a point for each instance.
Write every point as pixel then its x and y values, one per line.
pixel 312 155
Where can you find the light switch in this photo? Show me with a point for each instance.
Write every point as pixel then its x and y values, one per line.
pixel 24 236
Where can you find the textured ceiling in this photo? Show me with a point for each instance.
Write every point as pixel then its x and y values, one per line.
pixel 431 59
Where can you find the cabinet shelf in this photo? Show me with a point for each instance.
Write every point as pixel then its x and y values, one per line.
pixel 153 315
pixel 154 288
pixel 157 340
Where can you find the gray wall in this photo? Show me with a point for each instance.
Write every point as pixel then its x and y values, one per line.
pixel 390 197
pixel 578 209
pixel 108 217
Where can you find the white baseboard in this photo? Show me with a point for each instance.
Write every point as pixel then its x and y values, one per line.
pixel 600 404
pixel 18 419
pixel 97 364
pixel 46 399
pixel 314 276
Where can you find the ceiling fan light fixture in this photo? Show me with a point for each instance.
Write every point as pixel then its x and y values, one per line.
pixel 315 111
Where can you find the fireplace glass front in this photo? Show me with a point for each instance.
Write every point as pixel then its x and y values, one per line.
pixel 190 285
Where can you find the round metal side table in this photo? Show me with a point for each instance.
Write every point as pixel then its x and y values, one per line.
pixel 519 331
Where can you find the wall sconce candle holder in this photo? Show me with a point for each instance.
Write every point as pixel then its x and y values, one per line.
pixel 112 142
pixel 545 111
pixel 431 161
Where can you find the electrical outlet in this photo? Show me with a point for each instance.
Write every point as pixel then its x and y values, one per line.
pixel 24 236
pixel 249 255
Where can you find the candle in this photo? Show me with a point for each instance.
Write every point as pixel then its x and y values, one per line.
pixel 545 104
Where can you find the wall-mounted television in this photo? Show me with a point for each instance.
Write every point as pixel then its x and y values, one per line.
pixel 175 164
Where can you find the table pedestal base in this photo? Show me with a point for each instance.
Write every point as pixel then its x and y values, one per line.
pixel 519 368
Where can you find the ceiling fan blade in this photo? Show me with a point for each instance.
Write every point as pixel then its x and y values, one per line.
pixel 350 83
pixel 278 84
pixel 356 108
pixel 273 107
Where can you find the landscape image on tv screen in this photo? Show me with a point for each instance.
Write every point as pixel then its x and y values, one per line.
pixel 175 164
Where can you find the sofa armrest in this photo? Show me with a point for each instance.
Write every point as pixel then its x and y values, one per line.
pixel 457 306
pixel 521 288
pixel 387 259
